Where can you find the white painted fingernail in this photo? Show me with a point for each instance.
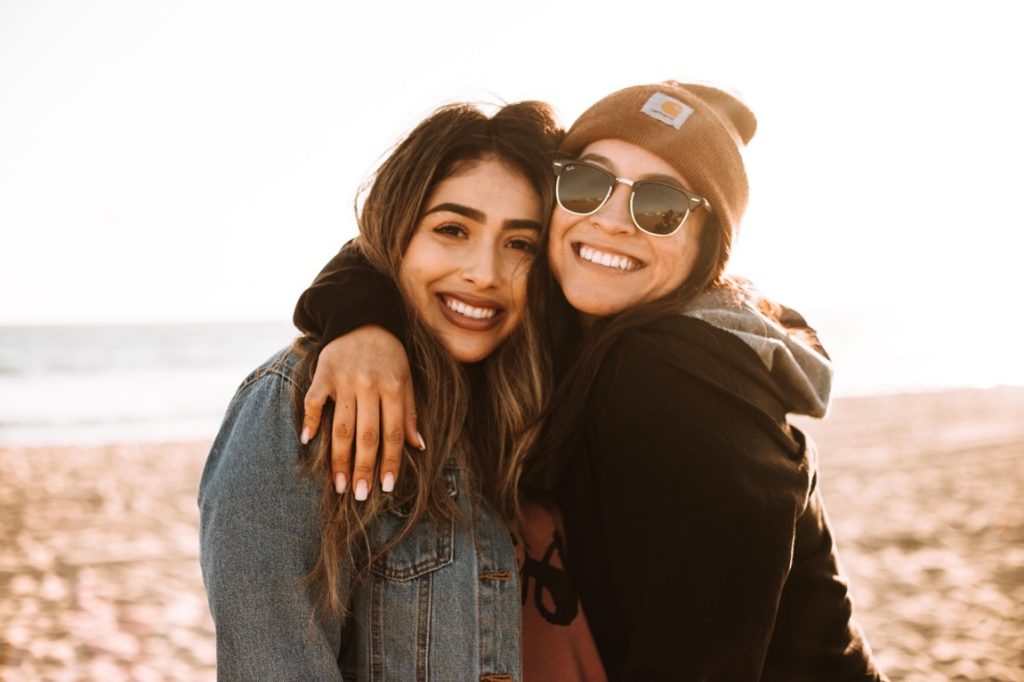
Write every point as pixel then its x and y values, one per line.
pixel 304 438
pixel 362 490
pixel 340 484
pixel 388 484
pixel 423 443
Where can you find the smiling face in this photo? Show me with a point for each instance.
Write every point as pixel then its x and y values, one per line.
pixel 465 269
pixel 603 262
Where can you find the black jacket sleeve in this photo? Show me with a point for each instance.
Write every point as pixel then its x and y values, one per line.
pixel 347 294
pixel 700 506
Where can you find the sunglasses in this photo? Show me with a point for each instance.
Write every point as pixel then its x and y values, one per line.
pixel 657 208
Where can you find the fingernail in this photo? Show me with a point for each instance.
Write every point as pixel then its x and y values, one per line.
pixel 423 443
pixel 362 490
pixel 340 483
pixel 304 438
pixel 388 484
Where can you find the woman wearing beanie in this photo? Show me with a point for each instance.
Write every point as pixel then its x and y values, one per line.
pixel 695 530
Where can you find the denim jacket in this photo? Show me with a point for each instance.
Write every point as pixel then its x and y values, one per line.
pixel 443 605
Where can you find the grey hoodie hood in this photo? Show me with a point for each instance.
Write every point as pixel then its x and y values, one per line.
pixel 802 374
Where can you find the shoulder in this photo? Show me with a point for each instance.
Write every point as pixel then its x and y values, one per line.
pixel 272 386
pixel 258 442
pixel 279 370
pixel 649 381
pixel 664 404
pixel 675 350
pixel 686 377
pixel 661 427
pixel 696 347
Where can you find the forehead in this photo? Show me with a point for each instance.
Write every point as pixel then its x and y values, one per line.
pixel 490 185
pixel 486 163
pixel 629 160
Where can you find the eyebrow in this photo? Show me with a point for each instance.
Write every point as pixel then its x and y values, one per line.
pixel 654 177
pixel 479 216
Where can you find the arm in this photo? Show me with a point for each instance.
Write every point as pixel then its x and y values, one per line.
pixel 347 294
pixel 699 526
pixel 259 537
pixel 360 317
pixel 815 628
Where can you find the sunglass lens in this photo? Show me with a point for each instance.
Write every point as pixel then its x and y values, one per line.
pixel 659 209
pixel 582 189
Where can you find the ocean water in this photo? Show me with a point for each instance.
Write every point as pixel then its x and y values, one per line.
pixel 122 383
pixel 87 384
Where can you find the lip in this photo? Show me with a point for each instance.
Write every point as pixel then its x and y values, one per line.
pixel 471 323
pixel 597 267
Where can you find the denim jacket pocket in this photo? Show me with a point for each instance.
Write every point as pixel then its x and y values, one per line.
pixel 427 547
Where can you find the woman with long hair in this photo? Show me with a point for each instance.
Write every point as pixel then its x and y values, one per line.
pixel 695 528
pixel 414 579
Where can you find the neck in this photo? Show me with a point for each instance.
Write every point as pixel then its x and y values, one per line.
pixel 587 322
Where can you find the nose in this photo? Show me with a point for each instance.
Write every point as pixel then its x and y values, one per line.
pixel 482 266
pixel 614 217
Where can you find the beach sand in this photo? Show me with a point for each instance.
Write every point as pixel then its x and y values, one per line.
pixel 99 575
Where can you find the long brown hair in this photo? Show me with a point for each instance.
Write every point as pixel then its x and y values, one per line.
pixel 485 416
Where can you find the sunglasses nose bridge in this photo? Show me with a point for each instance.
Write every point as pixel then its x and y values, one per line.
pixel 616 181
pixel 615 214
pixel 629 192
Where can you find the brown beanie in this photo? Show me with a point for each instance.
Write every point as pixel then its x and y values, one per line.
pixel 698 129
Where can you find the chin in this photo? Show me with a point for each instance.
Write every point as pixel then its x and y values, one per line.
pixel 468 355
pixel 594 303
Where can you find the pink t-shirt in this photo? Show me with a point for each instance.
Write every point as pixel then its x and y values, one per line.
pixel 557 644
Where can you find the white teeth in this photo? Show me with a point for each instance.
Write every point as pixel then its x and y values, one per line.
pixel 608 260
pixel 468 310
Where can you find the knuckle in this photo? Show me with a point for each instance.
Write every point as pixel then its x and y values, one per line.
pixel 362 471
pixel 342 430
pixel 364 381
pixel 391 385
pixel 394 436
pixel 391 460
pixel 369 438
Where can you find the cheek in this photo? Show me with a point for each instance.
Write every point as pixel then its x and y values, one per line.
pixel 412 282
pixel 518 302
pixel 559 225
pixel 406 277
pixel 420 264
pixel 557 242
pixel 678 259
pixel 558 219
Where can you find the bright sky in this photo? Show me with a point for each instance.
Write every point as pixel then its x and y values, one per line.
pixel 198 160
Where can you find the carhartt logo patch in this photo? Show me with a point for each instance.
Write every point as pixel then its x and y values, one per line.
pixel 667 109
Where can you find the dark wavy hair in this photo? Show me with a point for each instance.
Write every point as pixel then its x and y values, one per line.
pixel 485 415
